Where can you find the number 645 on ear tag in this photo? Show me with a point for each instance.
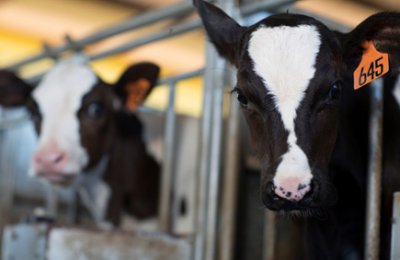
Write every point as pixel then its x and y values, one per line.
pixel 373 65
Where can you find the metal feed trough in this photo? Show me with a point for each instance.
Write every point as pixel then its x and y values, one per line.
pixel 215 153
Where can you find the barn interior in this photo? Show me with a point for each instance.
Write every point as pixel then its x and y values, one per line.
pixel 31 27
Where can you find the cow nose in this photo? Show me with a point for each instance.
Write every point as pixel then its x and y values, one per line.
pixel 292 188
pixel 50 160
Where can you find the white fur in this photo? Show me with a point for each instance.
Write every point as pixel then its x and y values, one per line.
pixel 59 97
pixel 284 57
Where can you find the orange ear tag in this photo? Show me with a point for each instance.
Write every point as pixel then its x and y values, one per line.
pixel 373 65
pixel 136 93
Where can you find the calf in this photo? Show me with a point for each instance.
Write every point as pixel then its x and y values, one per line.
pixel 310 127
pixel 89 137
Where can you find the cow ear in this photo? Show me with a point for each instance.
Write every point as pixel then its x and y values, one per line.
pixel 13 90
pixel 136 83
pixel 383 29
pixel 222 30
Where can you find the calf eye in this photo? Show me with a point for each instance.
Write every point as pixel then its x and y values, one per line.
pixel 241 98
pixel 95 110
pixel 334 91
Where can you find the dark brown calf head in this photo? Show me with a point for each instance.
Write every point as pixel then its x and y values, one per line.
pixel 290 73
pixel 76 115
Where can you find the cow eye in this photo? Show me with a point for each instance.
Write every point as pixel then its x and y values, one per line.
pixel 334 90
pixel 241 98
pixel 95 110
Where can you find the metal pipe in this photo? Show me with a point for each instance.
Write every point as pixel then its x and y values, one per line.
pixel 269 235
pixel 264 6
pixel 174 31
pixel 395 241
pixel 374 172
pixel 180 77
pixel 168 170
pixel 183 28
pixel 231 180
pixel 51 200
pixel 204 147
pixel 215 161
pixel 139 21
pixel 134 23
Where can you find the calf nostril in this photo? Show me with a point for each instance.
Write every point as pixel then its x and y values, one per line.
pixel 59 158
pixel 292 188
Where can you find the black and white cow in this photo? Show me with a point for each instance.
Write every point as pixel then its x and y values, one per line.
pixel 310 127
pixel 88 137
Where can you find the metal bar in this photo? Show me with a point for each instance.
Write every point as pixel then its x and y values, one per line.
pixel 218 83
pixel 269 235
pixel 264 6
pixel 374 172
pixel 143 41
pixel 168 175
pixel 231 180
pixel 204 146
pixel 180 77
pixel 174 31
pixel 180 29
pixel 215 161
pixel 134 23
pixel 139 21
pixel 51 200
pixel 7 176
pixel 395 248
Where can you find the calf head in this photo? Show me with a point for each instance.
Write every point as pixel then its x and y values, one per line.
pixel 75 116
pixel 290 73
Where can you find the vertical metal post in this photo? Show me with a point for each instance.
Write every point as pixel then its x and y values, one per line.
pixel 51 199
pixel 215 161
pixel 165 221
pixel 269 235
pixel 6 175
pixel 230 180
pixel 395 248
pixel 205 142
pixel 374 172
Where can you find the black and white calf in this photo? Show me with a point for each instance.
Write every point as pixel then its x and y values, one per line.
pixel 310 128
pixel 87 136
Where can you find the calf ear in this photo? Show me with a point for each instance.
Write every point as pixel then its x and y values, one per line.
pixel 222 30
pixel 384 30
pixel 13 90
pixel 136 83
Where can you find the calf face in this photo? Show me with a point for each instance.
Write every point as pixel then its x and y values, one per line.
pixel 75 116
pixel 290 73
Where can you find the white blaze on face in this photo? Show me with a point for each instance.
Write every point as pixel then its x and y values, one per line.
pixel 59 97
pixel 284 57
